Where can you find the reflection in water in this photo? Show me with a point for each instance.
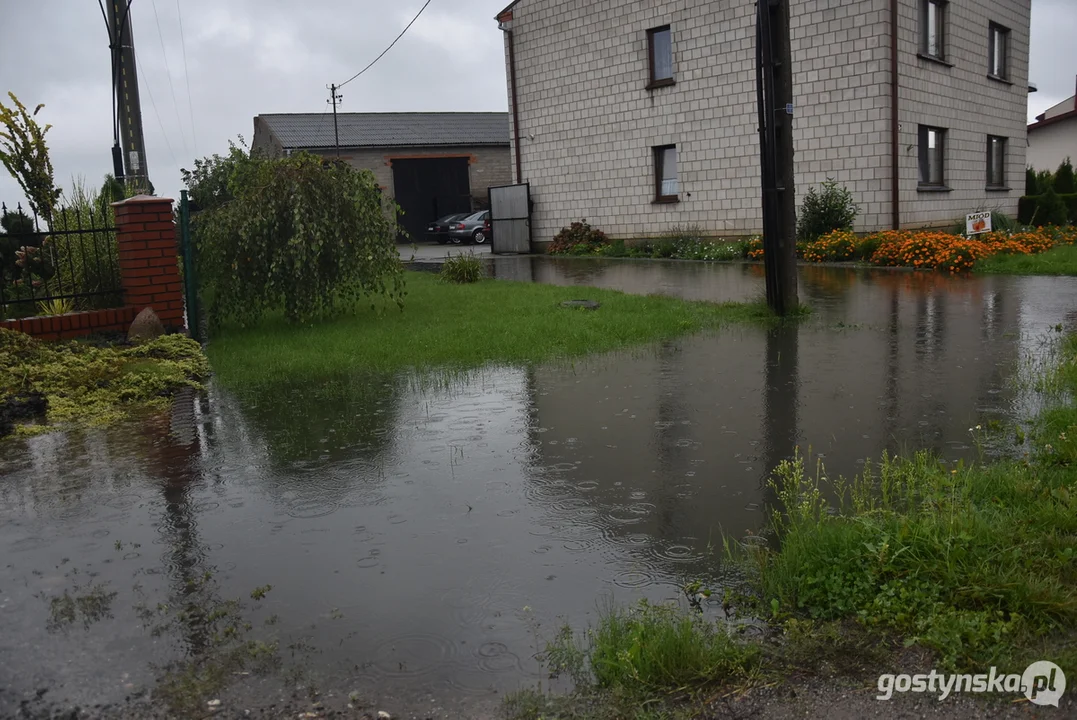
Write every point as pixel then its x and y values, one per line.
pixel 780 406
pixel 175 457
pixel 337 419
pixel 404 527
pixel 781 395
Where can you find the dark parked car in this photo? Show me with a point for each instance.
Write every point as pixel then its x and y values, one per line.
pixel 474 228
pixel 439 229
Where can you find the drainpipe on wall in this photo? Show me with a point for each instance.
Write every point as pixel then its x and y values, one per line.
pixel 515 107
pixel 895 126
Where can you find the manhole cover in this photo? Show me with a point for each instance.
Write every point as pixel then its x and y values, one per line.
pixel 585 304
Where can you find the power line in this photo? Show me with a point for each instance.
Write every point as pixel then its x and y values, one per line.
pixel 154 106
pixel 168 71
pixel 187 77
pixel 379 57
pixel 112 58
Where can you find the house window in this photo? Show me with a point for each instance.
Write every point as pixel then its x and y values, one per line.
pixel 660 49
pixel 932 156
pixel 665 174
pixel 996 161
pixel 933 29
pixel 999 47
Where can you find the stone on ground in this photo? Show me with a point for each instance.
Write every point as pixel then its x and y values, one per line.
pixel 146 326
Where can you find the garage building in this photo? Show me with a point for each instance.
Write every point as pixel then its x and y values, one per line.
pixel 432 164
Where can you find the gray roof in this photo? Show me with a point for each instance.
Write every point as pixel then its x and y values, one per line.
pixel 315 130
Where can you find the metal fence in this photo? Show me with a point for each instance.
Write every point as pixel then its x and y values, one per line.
pixel 66 265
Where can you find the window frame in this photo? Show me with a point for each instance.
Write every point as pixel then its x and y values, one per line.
pixel 652 81
pixel 1004 35
pixel 658 153
pixel 924 180
pixel 925 49
pixel 1001 169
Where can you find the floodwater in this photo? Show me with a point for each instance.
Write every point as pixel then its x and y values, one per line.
pixel 422 536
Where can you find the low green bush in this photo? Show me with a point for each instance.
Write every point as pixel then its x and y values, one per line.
pixel 1059 210
pixel 579 238
pixel 866 247
pixel 711 250
pixel 688 242
pixel 831 208
pixel 462 269
pixel 88 385
pixel 664 248
pixel 614 249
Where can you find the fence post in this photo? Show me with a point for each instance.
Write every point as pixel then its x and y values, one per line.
pixel 148 253
pixel 190 280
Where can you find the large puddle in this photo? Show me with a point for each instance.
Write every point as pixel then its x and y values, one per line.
pixel 422 536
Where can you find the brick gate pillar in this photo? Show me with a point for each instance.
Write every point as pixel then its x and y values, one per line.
pixel 148 257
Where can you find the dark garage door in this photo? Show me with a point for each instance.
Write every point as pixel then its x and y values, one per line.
pixel 429 188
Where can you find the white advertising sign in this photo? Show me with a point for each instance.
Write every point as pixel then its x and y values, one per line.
pixel 976 223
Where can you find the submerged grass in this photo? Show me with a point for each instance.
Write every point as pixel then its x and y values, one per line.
pixel 1059 260
pixel 463 326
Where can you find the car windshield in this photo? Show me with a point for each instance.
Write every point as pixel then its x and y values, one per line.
pixel 476 217
pixel 450 218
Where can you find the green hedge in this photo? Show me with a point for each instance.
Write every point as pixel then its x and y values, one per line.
pixel 1028 205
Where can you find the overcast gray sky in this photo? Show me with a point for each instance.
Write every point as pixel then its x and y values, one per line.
pixel 246 57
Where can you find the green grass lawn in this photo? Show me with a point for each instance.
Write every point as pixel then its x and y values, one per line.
pixel 461 326
pixel 1059 260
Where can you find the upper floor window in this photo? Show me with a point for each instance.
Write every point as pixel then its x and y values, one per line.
pixel 932 157
pixel 665 174
pixel 996 161
pixel 660 49
pixel 998 50
pixel 933 29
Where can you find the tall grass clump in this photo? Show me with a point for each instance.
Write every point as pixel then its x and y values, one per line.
pixel 462 269
pixel 651 648
pixel 1000 223
pixel 978 564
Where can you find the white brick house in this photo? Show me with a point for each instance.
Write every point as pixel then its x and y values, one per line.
pixel 608 91
pixel 1053 137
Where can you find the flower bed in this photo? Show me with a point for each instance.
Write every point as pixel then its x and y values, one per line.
pixel 928 250
pixel 920 249
pixel 955 253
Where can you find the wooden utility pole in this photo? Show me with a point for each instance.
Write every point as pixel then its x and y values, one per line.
pixel 774 84
pixel 334 99
pixel 129 151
